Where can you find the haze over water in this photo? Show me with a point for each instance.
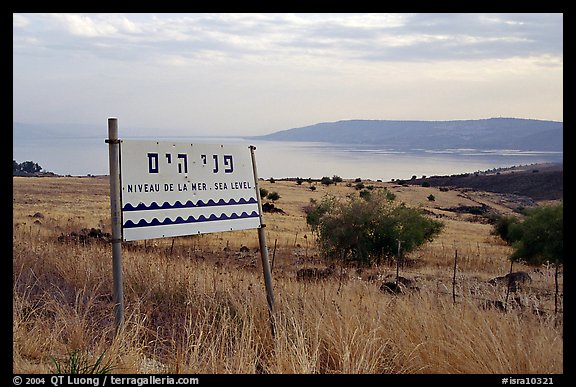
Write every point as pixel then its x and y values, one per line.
pixel 82 156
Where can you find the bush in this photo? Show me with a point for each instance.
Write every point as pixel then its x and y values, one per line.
pixel 540 237
pixel 26 167
pixel 365 230
pixel 273 196
pixel 502 227
pixel 365 194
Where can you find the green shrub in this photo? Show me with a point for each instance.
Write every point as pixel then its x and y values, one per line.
pixel 365 194
pixel 501 227
pixel 273 196
pixel 367 229
pixel 540 237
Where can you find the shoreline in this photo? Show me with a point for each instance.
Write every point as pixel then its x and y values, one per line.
pixel 514 168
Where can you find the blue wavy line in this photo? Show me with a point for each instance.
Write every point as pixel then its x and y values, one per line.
pixel 188 204
pixel 190 219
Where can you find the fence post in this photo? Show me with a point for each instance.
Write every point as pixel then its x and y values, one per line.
pixel 398 264
pixel 454 278
pixel 556 285
pixel 508 287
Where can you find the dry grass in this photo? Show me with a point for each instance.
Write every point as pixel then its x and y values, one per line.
pixel 199 306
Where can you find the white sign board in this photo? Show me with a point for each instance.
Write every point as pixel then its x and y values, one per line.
pixel 171 189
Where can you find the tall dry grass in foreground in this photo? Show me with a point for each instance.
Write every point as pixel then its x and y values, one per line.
pixel 191 308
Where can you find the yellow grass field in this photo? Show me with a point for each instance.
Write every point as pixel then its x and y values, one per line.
pixel 197 304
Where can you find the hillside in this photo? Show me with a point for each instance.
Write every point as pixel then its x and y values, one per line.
pixel 197 305
pixel 538 182
pixel 492 133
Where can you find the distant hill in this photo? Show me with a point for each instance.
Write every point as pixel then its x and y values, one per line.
pixel 492 133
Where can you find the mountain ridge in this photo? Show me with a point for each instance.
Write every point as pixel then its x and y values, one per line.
pixel 488 133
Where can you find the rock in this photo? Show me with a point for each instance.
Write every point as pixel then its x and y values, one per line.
pixel 393 287
pixel 314 273
pixel 86 236
pixel 512 280
pixel 409 283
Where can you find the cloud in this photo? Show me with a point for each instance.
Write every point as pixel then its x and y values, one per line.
pixel 375 37
pixel 263 71
pixel 19 21
pixel 85 26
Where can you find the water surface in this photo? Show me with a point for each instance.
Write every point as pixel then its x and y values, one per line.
pixel 278 159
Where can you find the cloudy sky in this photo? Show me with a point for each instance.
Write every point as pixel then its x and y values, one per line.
pixel 249 74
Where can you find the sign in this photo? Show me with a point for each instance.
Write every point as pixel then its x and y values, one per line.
pixel 172 189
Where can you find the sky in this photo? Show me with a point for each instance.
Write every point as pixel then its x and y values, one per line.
pixel 252 74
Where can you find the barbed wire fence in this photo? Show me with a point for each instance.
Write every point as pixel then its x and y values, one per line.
pixel 529 296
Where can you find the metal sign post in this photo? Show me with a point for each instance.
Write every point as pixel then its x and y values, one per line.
pixel 116 213
pixel 264 250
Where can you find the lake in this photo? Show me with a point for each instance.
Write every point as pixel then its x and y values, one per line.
pixel 82 156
